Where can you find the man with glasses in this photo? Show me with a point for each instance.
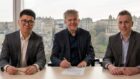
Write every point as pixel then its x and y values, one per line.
pixel 23 50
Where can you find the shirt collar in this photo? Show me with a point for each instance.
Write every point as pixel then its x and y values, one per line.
pixel 71 34
pixel 21 36
pixel 127 39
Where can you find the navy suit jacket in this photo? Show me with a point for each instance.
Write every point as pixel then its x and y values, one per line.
pixel 11 51
pixel 61 47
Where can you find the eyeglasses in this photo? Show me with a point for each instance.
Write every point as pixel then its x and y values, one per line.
pixel 30 22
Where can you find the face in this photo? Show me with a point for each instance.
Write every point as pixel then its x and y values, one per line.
pixel 72 22
pixel 26 23
pixel 125 24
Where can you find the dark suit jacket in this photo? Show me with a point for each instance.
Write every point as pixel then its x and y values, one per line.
pixel 61 47
pixel 114 51
pixel 11 50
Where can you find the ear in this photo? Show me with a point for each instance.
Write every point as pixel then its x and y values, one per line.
pixel 65 21
pixel 18 23
pixel 132 23
pixel 78 20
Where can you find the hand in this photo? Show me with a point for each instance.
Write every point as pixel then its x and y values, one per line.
pixel 131 71
pixel 65 64
pixel 82 64
pixel 115 70
pixel 11 70
pixel 30 70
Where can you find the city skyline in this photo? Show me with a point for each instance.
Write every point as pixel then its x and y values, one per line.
pixel 48 27
pixel 95 9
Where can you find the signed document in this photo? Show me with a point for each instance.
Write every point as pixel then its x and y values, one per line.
pixel 74 71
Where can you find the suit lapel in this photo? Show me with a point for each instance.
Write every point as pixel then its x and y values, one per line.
pixel 119 48
pixel 80 43
pixel 131 46
pixel 66 38
pixel 29 48
pixel 18 46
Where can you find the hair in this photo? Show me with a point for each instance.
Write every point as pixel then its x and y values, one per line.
pixel 125 12
pixel 71 12
pixel 28 12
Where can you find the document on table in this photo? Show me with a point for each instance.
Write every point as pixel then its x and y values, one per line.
pixel 74 71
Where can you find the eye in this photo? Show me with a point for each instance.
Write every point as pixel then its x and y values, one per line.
pixel 27 21
pixel 126 22
pixel 69 20
pixel 120 22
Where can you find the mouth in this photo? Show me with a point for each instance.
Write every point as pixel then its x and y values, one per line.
pixel 73 25
pixel 28 27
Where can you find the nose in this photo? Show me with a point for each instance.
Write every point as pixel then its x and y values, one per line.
pixel 27 24
pixel 123 25
pixel 72 21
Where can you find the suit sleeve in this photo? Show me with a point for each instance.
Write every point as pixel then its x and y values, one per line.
pixel 108 58
pixel 55 59
pixel 41 59
pixel 4 56
pixel 90 51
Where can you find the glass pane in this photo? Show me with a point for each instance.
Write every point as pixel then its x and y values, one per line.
pixel 6 18
pixel 97 16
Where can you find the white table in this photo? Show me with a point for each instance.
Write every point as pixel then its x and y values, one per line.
pixel 56 73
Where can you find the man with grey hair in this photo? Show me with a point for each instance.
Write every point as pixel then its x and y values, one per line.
pixel 72 46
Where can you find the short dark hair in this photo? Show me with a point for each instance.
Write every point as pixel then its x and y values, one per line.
pixel 28 12
pixel 71 12
pixel 125 12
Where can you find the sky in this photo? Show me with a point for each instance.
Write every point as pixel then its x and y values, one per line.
pixel 95 9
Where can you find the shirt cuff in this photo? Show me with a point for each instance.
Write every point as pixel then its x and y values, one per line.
pixel 138 66
pixel 106 66
pixel 37 66
pixel 5 67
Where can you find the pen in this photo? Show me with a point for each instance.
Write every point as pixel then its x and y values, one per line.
pixel 67 60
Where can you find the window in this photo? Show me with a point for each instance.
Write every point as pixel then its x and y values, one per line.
pixel 97 16
pixel 6 19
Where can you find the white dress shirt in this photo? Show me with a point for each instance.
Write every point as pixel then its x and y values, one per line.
pixel 24 44
pixel 125 45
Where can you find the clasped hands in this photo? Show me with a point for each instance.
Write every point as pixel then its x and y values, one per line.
pixel 123 70
pixel 26 70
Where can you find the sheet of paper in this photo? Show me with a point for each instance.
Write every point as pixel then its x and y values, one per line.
pixel 74 71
